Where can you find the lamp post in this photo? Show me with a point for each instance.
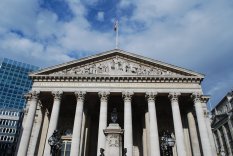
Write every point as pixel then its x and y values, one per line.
pixel 55 143
pixel 167 142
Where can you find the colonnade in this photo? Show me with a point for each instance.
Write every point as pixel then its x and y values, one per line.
pixel 128 128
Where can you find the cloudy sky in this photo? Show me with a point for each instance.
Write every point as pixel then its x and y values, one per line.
pixel 194 34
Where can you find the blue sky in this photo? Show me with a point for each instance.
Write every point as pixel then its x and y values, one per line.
pixel 194 34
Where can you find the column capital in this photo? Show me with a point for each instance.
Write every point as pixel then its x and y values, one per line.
pixel 104 95
pixel 174 96
pixel 46 111
pixel 127 96
pixel 57 95
pixel 151 96
pixel 196 97
pixel 40 105
pixel 80 95
pixel 32 95
pixel 205 99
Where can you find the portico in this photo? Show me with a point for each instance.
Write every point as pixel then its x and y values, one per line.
pixel 78 97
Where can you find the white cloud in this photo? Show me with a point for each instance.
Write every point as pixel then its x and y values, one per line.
pixel 193 34
pixel 100 16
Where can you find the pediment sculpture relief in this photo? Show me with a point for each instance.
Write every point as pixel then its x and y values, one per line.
pixel 115 66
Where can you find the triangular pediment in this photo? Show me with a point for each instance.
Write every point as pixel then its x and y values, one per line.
pixel 116 63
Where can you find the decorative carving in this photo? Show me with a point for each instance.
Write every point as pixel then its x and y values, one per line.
pixel 57 95
pixel 204 99
pixel 127 96
pixel 32 95
pixel 151 96
pixel 196 97
pixel 80 95
pixel 174 96
pixel 104 95
pixel 115 66
pixel 114 140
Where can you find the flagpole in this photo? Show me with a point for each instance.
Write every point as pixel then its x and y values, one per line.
pixel 116 28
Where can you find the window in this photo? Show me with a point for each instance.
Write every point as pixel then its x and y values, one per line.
pixel 66 146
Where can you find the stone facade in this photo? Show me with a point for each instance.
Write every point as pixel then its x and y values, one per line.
pixel 150 96
pixel 222 125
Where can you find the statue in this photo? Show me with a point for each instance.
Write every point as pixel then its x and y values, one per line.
pixel 55 143
pixel 114 115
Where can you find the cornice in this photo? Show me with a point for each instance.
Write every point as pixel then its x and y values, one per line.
pixel 104 78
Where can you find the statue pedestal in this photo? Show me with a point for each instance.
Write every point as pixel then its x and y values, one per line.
pixel 113 140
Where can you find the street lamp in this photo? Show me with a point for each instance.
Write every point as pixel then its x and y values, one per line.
pixel 167 142
pixel 55 143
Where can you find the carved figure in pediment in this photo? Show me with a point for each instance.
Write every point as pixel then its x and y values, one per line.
pixel 142 70
pixel 85 70
pixel 69 71
pixel 78 70
pixel 92 69
pixel 116 61
pixel 102 68
pixel 127 67
pixel 156 71
pixel 112 64
pixel 134 69
pixel 120 65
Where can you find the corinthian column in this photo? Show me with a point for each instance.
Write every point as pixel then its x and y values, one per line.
pixel 177 124
pixel 53 119
pixel 128 133
pixel 77 124
pixel 227 141
pixel 230 124
pixel 205 142
pixel 193 134
pixel 32 100
pixel 102 120
pixel 204 100
pixel 35 131
pixel 154 136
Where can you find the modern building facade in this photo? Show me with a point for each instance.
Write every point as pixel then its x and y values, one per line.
pixel 80 99
pixel 10 125
pixel 14 82
pixel 222 125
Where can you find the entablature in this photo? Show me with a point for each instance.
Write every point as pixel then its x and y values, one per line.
pixel 103 78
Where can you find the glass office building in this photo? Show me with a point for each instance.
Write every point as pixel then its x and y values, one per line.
pixel 14 82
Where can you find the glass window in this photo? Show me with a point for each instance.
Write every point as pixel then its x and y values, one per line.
pixel 66 146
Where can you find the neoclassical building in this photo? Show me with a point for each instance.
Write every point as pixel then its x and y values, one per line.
pixel 78 97
pixel 222 125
